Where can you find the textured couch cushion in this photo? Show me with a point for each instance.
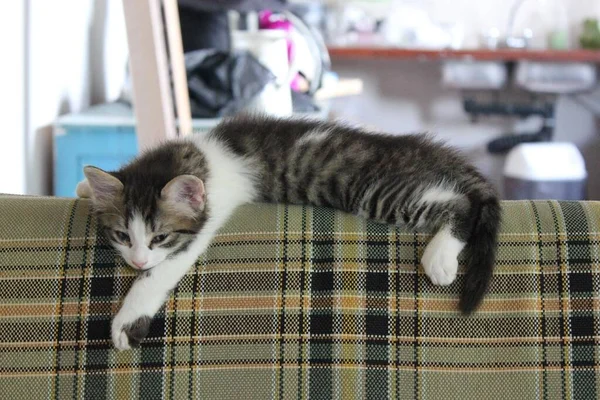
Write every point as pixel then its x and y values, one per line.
pixel 298 302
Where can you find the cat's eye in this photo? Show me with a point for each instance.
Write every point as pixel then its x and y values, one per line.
pixel 122 236
pixel 159 238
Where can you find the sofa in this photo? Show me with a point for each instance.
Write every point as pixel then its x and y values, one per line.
pixel 295 302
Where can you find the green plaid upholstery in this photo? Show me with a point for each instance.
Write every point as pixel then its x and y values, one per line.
pixel 297 302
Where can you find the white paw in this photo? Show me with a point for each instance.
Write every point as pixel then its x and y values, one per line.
pixel 129 331
pixel 83 190
pixel 440 267
pixel 440 259
pixel 120 339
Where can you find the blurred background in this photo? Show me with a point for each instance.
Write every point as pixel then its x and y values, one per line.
pixel 512 83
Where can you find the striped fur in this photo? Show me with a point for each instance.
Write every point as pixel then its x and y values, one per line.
pixel 403 180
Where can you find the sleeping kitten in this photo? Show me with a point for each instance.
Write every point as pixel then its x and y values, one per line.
pixel 161 211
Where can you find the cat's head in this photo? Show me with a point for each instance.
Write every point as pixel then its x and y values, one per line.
pixel 146 220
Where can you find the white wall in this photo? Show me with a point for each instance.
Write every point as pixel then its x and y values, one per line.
pixel 77 56
pixel 405 96
pixel 12 97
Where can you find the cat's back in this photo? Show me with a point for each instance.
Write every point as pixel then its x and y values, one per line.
pixel 250 133
pixel 261 134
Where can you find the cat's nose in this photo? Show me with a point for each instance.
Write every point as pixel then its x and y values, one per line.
pixel 139 264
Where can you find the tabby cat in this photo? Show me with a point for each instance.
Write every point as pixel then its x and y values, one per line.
pixel 161 211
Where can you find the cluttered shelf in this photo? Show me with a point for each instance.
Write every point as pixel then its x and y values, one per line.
pixel 579 55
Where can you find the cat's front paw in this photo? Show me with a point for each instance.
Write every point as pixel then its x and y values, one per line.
pixel 129 333
pixel 83 190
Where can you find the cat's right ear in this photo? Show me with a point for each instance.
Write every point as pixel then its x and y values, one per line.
pixel 103 186
pixel 185 195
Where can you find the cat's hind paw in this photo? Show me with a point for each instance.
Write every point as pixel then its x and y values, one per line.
pixel 440 259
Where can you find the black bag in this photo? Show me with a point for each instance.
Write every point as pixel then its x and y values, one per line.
pixel 222 83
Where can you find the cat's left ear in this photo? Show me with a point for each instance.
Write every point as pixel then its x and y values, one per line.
pixel 185 194
pixel 101 186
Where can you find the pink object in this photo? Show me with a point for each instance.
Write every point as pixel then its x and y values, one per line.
pixel 268 20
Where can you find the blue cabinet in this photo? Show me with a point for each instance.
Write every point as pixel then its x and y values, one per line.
pixel 103 136
pixel 106 147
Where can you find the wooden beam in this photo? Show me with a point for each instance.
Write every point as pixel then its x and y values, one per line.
pixel 153 104
pixel 180 86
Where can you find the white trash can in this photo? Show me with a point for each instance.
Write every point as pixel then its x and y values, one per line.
pixel 545 171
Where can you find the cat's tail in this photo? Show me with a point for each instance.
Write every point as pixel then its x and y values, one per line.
pixel 481 253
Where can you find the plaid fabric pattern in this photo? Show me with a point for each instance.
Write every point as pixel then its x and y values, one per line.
pixel 296 302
